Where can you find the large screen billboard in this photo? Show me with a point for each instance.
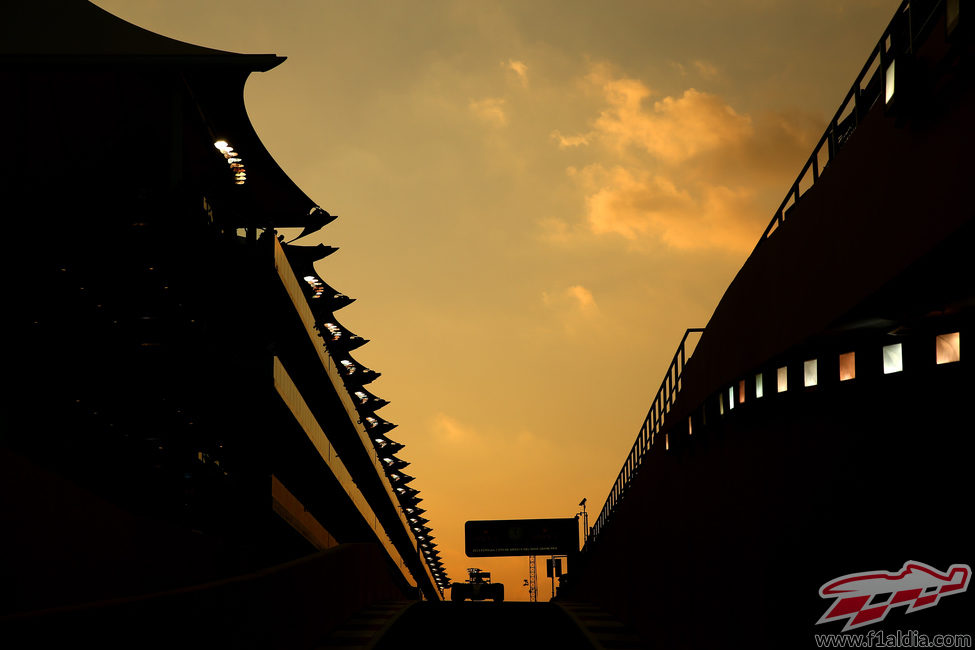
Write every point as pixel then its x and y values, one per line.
pixel 501 537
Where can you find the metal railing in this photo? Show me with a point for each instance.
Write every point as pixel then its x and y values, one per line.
pixel 910 23
pixel 652 425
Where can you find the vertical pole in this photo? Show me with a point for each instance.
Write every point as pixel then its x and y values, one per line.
pixel 553 577
pixel 585 523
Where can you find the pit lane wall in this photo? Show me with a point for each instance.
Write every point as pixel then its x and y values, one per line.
pixel 750 495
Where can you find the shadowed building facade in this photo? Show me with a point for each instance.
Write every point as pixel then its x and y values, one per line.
pixel 184 405
pixel 822 425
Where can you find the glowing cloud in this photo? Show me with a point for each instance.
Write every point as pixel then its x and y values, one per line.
pixel 561 232
pixel 449 430
pixel 569 141
pixel 634 204
pixel 520 69
pixel 686 171
pixel 673 129
pixel 706 70
pixel 583 298
pixel 630 204
pixel 575 299
pixel 490 110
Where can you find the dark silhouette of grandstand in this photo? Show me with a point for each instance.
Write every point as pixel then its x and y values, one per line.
pixel 183 405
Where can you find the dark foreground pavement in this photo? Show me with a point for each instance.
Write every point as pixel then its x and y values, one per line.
pixel 499 626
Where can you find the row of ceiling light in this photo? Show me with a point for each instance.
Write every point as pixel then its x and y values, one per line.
pixel 234 160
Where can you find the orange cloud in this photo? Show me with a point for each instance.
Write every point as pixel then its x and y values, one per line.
pixel 561 232
pixel 582 297
pixel 639 204
pixel 520 69
pixel 574 309
pixel 490 110
pixel 687 171
pixel 577 297
pixel 571 140
pixel 673 129
pixel 449 430
pixel 706 70
pixel 772 156
pixel 630 204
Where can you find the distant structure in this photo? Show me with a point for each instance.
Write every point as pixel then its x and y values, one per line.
pixel 822 425
pixel 182 404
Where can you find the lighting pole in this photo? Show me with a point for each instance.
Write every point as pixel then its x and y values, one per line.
pixel 552 574
pixel 585 522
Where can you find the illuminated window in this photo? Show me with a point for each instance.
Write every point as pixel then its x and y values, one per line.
pixel 731 397
pixel 333 329
pixel 848 366
pixel 889 83
pixel 316 285
pixel 721 404
pixel 741 391
pixel 810 373
pixel 759 391
pixel 783 379
pixel 948 348
pixel 893 358
pixel 234 160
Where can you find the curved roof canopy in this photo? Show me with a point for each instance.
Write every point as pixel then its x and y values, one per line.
pixel 75 34
pixel 80 30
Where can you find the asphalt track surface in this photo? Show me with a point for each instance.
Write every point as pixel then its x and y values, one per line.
pixel 499 626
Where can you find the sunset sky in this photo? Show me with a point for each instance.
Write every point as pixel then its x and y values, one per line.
pixel 535 199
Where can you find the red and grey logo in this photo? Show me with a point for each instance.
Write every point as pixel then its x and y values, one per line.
pixel 865 598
